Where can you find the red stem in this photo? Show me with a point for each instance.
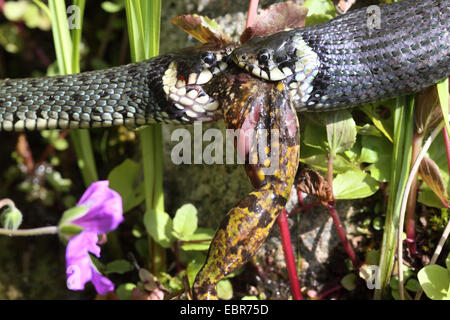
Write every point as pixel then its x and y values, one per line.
pixel 341 232
pixel 252 11
pixel 410 225
pixel 289 255
pixel 447 147
pixel 337 221
pixel 329 291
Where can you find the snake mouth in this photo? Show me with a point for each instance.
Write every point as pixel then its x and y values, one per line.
pixel 194 103
pixel 187 95
pixel 270 74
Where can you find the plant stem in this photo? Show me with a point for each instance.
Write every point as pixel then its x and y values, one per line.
pixel 337 221
pixel 341 232
pixel 29 232
pixel 411 206
pixel 407 188
pixel 289 255
pixel 252 12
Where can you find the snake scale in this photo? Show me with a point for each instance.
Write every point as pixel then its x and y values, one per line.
pixel 261 84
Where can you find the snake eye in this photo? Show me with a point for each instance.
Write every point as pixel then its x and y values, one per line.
pixel 209 58
pixel 263 57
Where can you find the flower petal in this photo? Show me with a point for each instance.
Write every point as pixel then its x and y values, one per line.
pixel 79 266
pixel 78 262
pixel 102 284
pixel 105 211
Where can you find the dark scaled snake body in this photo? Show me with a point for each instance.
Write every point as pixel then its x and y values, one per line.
pixel 339 64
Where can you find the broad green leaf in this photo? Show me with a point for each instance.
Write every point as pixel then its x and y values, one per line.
pixel 123 179
pixel 200 234
pixel 124 291
pixel 315 136
pixel 185 221
pixel 354 185
pixel 118 266
pixel 412 285
pixel 341 131
pixel 250 298
pixel 225 290
pixel 320 7
pixel 435 281
pixel 192 269
pixel 319 162
pixel 159 225
pixel 349 281
pixel 378 152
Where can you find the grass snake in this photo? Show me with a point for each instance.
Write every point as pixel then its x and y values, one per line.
pixel 337 64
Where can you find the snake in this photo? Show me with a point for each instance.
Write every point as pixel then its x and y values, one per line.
pixel 262 83
pixel 166 88
pixel 351 60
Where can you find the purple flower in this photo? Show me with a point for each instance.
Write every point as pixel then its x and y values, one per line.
pixel 103 214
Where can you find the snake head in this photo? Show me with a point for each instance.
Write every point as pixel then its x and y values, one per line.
pixel 275 57
pixel 189 70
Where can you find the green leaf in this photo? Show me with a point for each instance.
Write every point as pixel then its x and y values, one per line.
pixel 200 234
pixel 69 230
pixel 225 290
pixel 435 281
pixel 185 221
pixel 377 151
pixel 159 225
pixel 124 291
pixel 112 7
pixel 354 185
pixel 319 11
pixel 123 179
pixel 10 39
pixel 315 136
pixel 320 7
pixel 192 269
pixel 412 285
pixel 118 266
pixel 71 214
pixel 372 257
pixel 341 131
pixel 349 281
pixel 15 10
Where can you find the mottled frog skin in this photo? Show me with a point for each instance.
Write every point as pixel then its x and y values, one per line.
pixel 259 105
